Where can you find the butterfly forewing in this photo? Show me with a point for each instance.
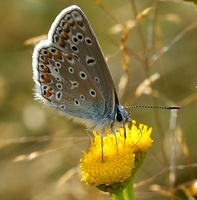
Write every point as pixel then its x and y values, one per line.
pixel 73 33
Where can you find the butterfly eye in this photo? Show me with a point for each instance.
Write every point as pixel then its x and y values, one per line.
pixel 119 116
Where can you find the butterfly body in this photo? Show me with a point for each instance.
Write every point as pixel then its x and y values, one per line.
pixel 71 74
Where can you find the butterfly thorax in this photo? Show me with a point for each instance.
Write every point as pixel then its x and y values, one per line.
pixel 106 123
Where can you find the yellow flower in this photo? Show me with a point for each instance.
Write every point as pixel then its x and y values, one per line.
pixel 119 159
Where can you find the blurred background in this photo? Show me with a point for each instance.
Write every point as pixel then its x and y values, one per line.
pixel 151 49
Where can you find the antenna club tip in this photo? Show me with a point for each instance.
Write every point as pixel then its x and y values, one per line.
pixel 174 107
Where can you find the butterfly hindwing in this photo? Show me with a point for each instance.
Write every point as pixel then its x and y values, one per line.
pixel 64 84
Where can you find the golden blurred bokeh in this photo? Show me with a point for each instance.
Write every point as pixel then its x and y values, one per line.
pixel 151 49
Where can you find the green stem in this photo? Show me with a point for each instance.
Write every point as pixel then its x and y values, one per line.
pixel 127 193
pixel 118 196
pixel 129 190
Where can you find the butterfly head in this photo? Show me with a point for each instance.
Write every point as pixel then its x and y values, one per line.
pixel 121 118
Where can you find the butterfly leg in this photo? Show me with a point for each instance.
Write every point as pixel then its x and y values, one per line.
pixel 114 132
pixel 139 138
pixel 89 134
pixel 102 145
pixel 125 134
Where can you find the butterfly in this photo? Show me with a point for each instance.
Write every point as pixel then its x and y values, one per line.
pixel 71 74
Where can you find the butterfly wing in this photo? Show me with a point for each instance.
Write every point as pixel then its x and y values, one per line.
pixel 64 84
pixel 73 33
pixel 71 73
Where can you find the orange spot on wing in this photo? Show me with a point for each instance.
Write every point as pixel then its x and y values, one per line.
pixel 67 29
pixel 46 69
pixel 72 23
pixel 58 55
pixel 62 43
pixel 48 93
pixel 68 56
pixel 65 36
pixel 49 55
pixel 46 79
pixel 46 60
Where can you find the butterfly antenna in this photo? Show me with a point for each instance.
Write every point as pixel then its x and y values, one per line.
pixel 158 107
